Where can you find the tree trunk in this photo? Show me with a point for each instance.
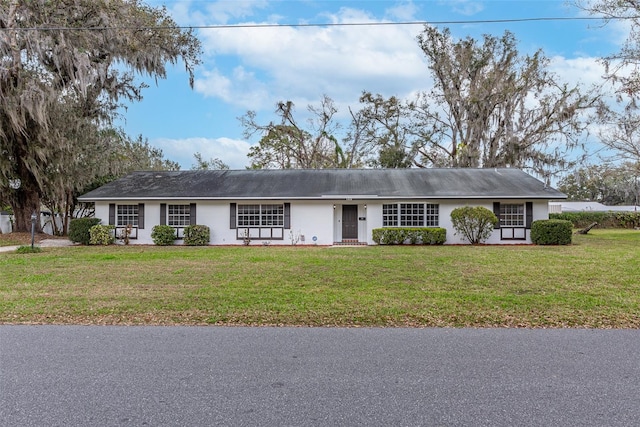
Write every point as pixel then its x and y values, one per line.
pixel 25 201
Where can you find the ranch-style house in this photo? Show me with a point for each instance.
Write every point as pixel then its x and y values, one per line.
pixel 319 207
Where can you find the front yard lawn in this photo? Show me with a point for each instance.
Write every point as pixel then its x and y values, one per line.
pixel 593 283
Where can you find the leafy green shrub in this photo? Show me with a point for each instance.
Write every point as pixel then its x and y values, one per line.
pixel 28 250
pixel 474 223
pixel 102 235
pixel 415 236
pixel 604 219
pixel 432 236
pixel 79 229
pixel 196 235
pixel 551 232
pixel 163 235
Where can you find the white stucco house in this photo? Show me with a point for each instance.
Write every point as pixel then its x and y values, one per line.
pixel 319 207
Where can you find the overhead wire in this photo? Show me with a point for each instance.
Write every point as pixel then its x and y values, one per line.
pixel 331 24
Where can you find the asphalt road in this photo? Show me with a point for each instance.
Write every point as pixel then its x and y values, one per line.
pixel 213 376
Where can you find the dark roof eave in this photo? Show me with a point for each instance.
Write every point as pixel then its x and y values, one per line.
pixel 328 198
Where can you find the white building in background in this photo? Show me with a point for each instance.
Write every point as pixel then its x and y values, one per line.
pixel 319 207
pixel 565 206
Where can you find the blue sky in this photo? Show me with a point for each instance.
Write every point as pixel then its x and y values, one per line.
pixel 253 68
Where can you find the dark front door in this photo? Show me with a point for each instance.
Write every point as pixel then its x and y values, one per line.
pixel 349 222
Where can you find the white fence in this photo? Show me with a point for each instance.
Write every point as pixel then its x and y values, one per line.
pixel 45 222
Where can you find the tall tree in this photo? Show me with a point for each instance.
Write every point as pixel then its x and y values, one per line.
pixel 606 183
pixel 387 130
pixel 288 145
pixel 82 170
pixel 212 164
pixel 620 131
pixel 492 107
pixel 622 67
pixel 74 59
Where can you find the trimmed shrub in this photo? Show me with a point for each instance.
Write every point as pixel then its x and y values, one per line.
pixel 551 232
pixel 79 229
pixel 474 223
pixel 163 235
pixel 604 219
pixel 196 235
pixel 432 236
pixel 414 236
pixel 102 235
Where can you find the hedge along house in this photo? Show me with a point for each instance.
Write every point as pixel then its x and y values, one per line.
pixel 321 207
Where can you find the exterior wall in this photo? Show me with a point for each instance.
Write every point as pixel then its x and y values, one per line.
pixel 314 222
pixel 540 211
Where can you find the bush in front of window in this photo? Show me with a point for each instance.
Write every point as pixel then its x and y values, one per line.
pixel 551 232
pixel 474 223
pixel 102 235
pixel 413 235
pixel 163 235
pixel 79 229
pixel 196 235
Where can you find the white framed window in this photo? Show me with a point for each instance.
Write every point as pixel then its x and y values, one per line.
pixel 432 215
pixel 178 215
pixel 512 215
pixel 410 215
pixel 272 215
pixel 258 216
pixel 127 215
pixel 390 215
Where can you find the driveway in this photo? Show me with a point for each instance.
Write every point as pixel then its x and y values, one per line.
pixel 46 243
pixel 215 376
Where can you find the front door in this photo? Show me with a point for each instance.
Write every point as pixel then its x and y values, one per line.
pixel 350 222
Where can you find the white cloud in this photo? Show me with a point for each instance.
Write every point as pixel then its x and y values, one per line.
pixel 230 151
pixel 465 7
pixel 404 11
pixel 584 70
pixel 307 62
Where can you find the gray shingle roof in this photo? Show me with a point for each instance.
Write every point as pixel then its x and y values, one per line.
pixel 326 183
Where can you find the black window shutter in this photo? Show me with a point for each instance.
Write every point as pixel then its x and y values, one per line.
pixel 141 216
pixel 528 214
pixel 192 214
pixel 112 214
pixel 163 214
pixel 232 215
pixel 287 215
pixel 496 212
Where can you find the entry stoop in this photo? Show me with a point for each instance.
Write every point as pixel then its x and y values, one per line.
pixel 350 242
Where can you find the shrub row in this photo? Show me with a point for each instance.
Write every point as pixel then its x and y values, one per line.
pixel 414 236
pixel 551 232
pixel 604 219
pixel 89 231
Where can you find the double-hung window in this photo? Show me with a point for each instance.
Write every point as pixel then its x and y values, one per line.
pixel 390 215
pixel 127 215
pixel 410 215
pixel 179 215
pixel 260 221
pixel 511 215
pixel 127 219
pixel 515 219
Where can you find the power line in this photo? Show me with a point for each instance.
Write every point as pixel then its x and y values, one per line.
pixel 334 24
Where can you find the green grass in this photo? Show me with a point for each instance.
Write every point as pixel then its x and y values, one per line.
pixel 593 283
